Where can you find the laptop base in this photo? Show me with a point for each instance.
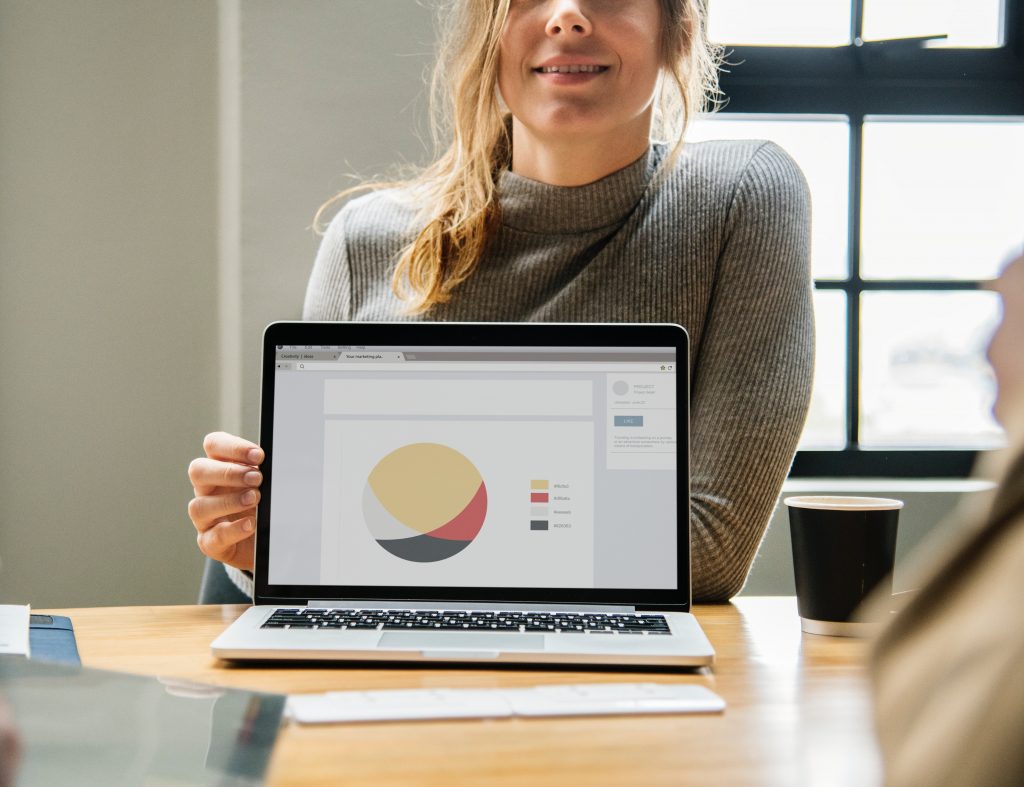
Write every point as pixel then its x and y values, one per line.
pixel 245 640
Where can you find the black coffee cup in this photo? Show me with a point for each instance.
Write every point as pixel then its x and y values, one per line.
pixel 843 549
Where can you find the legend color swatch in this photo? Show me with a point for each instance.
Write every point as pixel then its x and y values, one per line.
pixel 538 513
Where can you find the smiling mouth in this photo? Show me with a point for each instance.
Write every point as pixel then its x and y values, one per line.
pixel 574 69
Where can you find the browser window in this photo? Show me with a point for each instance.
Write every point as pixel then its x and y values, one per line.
pixel 475 467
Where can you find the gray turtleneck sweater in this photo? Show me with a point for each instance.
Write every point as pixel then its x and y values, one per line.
pixel 720 245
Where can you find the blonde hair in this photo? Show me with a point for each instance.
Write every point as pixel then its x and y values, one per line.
pixel 457 192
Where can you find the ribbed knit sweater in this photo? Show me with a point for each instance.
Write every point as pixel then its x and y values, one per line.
pixel 719 245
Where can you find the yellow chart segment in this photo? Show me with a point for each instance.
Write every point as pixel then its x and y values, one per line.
pixel 424 485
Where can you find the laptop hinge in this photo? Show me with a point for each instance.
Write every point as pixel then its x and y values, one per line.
pixel 520 605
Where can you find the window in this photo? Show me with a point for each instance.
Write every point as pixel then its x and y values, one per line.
pixel 907 117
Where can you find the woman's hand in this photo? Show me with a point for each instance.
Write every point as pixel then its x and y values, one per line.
pixel 226 484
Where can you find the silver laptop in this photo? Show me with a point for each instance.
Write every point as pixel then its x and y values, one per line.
pixel 474 493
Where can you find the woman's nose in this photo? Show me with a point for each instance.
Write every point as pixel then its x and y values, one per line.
pixel 567 16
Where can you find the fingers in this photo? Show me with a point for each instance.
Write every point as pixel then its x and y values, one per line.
pixel 229 542
pixel 231 448
pixel 207 474
pixel 226 485
pixel 205 510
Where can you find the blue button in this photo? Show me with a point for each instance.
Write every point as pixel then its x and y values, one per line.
pixel 629 420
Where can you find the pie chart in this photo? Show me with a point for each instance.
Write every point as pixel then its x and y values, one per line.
pixel 424 502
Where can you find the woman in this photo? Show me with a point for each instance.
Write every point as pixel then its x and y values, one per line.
pixel 552 203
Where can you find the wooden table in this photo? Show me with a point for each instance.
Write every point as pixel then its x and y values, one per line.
pixel 798 711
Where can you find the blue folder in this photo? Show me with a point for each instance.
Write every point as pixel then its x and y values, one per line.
pixel 51 638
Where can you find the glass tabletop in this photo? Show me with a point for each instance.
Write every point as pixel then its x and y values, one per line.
pixel 64 725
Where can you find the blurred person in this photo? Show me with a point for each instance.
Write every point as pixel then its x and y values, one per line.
pixel 555 201
pixel 948 670
pixel 10 746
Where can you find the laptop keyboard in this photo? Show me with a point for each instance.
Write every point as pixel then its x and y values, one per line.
pixel 406 620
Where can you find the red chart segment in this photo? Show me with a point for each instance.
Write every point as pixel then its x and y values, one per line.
pixel 466 525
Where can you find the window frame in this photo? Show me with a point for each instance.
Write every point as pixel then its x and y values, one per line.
pixel 892 78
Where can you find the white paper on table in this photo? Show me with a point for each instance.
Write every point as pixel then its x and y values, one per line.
pixel 14 620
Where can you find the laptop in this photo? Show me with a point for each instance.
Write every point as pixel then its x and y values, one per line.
pixel 473 492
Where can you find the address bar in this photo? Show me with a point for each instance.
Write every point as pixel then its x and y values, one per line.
pixel 477 366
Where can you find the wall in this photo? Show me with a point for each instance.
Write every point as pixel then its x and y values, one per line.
pixel 160 164
pixel 108 233
pixel 328 89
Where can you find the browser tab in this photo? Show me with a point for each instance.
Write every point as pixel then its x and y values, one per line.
pixel 370 355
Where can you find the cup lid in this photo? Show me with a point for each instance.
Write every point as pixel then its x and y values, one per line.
pixel 839 503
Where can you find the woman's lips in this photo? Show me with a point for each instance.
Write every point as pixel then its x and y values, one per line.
pixel 571 74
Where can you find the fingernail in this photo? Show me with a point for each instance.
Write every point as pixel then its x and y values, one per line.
pixel 252 478
pixel 247 525
pixel 255 456
pixel 248 498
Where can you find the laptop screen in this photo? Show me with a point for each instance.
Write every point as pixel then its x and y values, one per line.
pixel 468 466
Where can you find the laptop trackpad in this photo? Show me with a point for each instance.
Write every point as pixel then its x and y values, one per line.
pixel 459 640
